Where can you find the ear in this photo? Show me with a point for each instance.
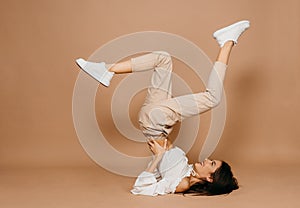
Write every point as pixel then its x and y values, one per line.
pixel 209 179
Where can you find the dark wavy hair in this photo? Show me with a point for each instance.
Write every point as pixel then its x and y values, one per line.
pixel 223 183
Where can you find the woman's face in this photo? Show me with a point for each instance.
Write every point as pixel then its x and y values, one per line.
pixel 206 168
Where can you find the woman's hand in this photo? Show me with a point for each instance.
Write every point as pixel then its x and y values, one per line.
pixel 156 148
pixel 158 151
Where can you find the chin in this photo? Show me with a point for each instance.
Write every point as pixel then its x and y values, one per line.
pixel 197 165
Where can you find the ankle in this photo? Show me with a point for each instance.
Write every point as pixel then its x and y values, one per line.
pixel 229 43
pixel 109 67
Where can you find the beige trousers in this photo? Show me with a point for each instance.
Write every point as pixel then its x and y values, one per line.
pixel 160 111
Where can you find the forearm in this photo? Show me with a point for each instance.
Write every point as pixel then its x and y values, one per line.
pixel 155 161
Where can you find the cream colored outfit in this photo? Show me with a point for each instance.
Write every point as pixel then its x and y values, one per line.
pixel 160 112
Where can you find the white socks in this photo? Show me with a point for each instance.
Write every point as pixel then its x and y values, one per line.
pixel 96 70
pixel 231 32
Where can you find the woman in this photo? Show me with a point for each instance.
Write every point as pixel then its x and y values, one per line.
pixel 169 171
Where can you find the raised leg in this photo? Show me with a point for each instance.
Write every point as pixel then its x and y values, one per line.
pixel 189 105
pixel 160 62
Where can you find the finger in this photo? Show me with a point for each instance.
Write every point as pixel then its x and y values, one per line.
pixel 149 141
pixel 153 143
pixel 151 148
pixel 165 144
pixel 150 144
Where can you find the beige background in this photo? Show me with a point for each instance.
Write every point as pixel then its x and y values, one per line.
pixel 41 39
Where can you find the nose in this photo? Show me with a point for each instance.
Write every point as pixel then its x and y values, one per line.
pixel 207 160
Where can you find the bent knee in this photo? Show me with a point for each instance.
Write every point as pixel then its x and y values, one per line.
pixel 163 58
pixel 213 100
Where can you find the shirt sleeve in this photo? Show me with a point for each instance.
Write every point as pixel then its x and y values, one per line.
pixel 147 184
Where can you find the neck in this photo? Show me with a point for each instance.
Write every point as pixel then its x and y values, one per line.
pixel 194 180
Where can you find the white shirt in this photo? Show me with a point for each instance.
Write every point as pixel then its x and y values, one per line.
pixel 172 168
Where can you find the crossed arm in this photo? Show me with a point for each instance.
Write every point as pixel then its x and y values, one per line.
pixel 158 148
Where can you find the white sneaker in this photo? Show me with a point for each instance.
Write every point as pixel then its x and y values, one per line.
pixel 231 32
pixel 96 70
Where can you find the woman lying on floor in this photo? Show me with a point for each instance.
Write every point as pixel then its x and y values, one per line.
pixel 169 171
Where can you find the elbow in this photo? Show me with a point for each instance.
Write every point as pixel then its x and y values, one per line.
pixel 213 99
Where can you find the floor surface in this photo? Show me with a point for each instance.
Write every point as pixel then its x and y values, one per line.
pixel 261 186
